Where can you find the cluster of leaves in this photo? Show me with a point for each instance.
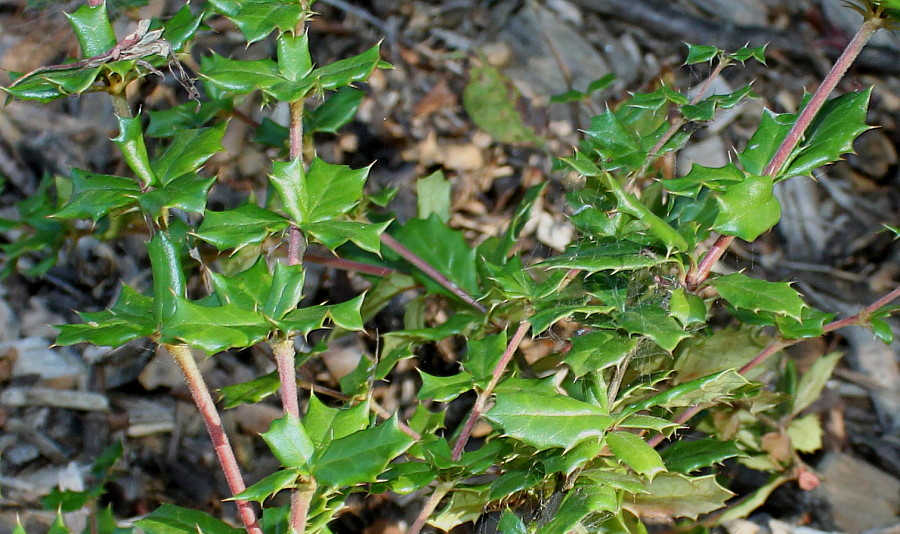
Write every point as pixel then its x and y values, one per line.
pixel 571 442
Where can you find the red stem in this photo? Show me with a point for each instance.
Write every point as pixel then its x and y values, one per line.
pixel 478 407
pixel 207 408
pixel 433 273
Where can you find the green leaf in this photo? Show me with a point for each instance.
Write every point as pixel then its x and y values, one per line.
pixel 832 132
pixel 239 77
pixel 511 524
pixel 171 519
pixel 92 28
pixel 257 18
pixel 189 150
pixel 545 318
pixel 599 350
pixel 48 86
pixel 347 315
pixel 466 504
pixel 324 424
pixel 700 54
pixel 743 54
pixel 881 329
pixel 294 61
pixel 714 178
pixel 813 381
pixel 444 388
pixel 369 451
pixel 268 486
pixel 408 477
pixel 545 422
pixel 584 499
pixel 168 275
pixel 288 441
pixel 59 526
pixel 131 317
pixel 616 256
pixel 181 27
pixel 325 192
pixel 771 132
pixel 811 324
pixel 806 433
pixel 747 209
pixel 689 309
pixel 187 192
pixel 250 392
pixel 303 320
pixel 652 321
pixel 659 228
pixel 131 142
pixel 482 356
pixel 240 227
pixel 337 111
pixel 333 234
pixel 490 100
pixel 246 289
pixel 214 329
pixel 433 194
pixel 686 456
pixel 455 259
pixel 96 195
pixel 348 71
pixel 713 388
pixel 729 348
pixel 172 121
pixel 674 495
pixel 634 452
pixel 756 295
pixel 286 291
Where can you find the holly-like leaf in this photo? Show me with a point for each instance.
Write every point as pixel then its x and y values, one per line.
pixel 288 441
pixel 545 422
pixel 333 234
pixel 347 315
pixel 756 295
pixel 634 452
pixel 131 317
pixel 339 109
pixel 616 256
pixel 240 77
pixel 250 392
pixel 172 121
pixel 599 350
pixel 729 348
pixel 171 519
pixel 700 176
pixel 96 195
pixel 368 451
pixel 92 28
pixel 672 495
pixel 700 54
pixel 350 70
pixel 131 142
pixel 810 325
pixel 444 388
pixel 772 129
pixel 268 486
pixel 689 309
pixel 747 209
pixel 182 27
pixel 189 150
pixel 709 389
pixel 46 87
pixel 247 289
pixel 169 282
pixel 585 498
pixel 294 61
pixel 187 192
pixel 545 318
pixel 686 456
pixel 257 18
pixel 240 227
pixel 832 132
pixel 214 329
pixel 323 193
pixel 286 290
pixel 653 322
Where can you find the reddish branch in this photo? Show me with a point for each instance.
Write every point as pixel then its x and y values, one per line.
pixel 207 408
pixel 482 399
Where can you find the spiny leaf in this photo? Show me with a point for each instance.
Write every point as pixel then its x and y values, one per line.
pixel 756 295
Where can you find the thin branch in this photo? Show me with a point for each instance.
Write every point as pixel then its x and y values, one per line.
pixel 284 359
pixel 860 319
pixel 348 265
pixel 433 273
pixel 207 408
pixel 430 506
pixel 483 397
